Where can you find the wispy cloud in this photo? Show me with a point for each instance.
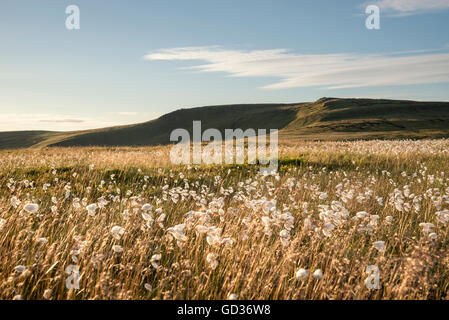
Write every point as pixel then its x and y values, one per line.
pixel 331 71
pixel 55 122
pixel 62 120
pixel 126 113
pixel 411 7
pixel 70 122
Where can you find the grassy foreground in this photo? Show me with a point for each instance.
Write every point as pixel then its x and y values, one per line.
pixel 123 223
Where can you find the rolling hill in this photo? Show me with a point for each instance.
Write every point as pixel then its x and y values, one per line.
pixel 324 119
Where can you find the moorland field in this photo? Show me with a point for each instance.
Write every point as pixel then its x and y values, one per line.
pixel 124 223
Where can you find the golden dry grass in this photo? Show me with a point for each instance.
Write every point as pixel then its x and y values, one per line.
pixel 214 231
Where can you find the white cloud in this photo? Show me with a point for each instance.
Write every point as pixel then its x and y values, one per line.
pixel 70 122
pixel 53 122
pixel 331 71
pixel 410 7
pixel 62 120
pixel 126 113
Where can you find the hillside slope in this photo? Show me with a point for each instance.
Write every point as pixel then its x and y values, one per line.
pixel 324 119
pixel 158 131
pixel 329 119
pixel 24 139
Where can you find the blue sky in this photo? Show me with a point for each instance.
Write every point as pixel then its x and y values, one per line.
pixel 132 61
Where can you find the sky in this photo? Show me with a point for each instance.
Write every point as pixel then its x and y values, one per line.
pixel 132 61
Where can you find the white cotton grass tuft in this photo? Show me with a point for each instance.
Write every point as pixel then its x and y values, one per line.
pixel 389 219
pixel 379 245
pixel 117 249
pixel 302 273
pixel 117 232
pixel 318 274
pixel 427 227
pixel 211 259
pixel 148 217
pixel 20 268
pixel 2 223
pixel 160 220
pixel 233 296
pixel 47 294
pixel 92 209
pixel 31 207
pixel 443 216
pixel 148 287
pixel 362 214
pixel 15 202
pixel 42 240
pixel 155 260
pixel 177 232
pixel 433 236
pixel 284 234
pixel 54 209
pixel 327 229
